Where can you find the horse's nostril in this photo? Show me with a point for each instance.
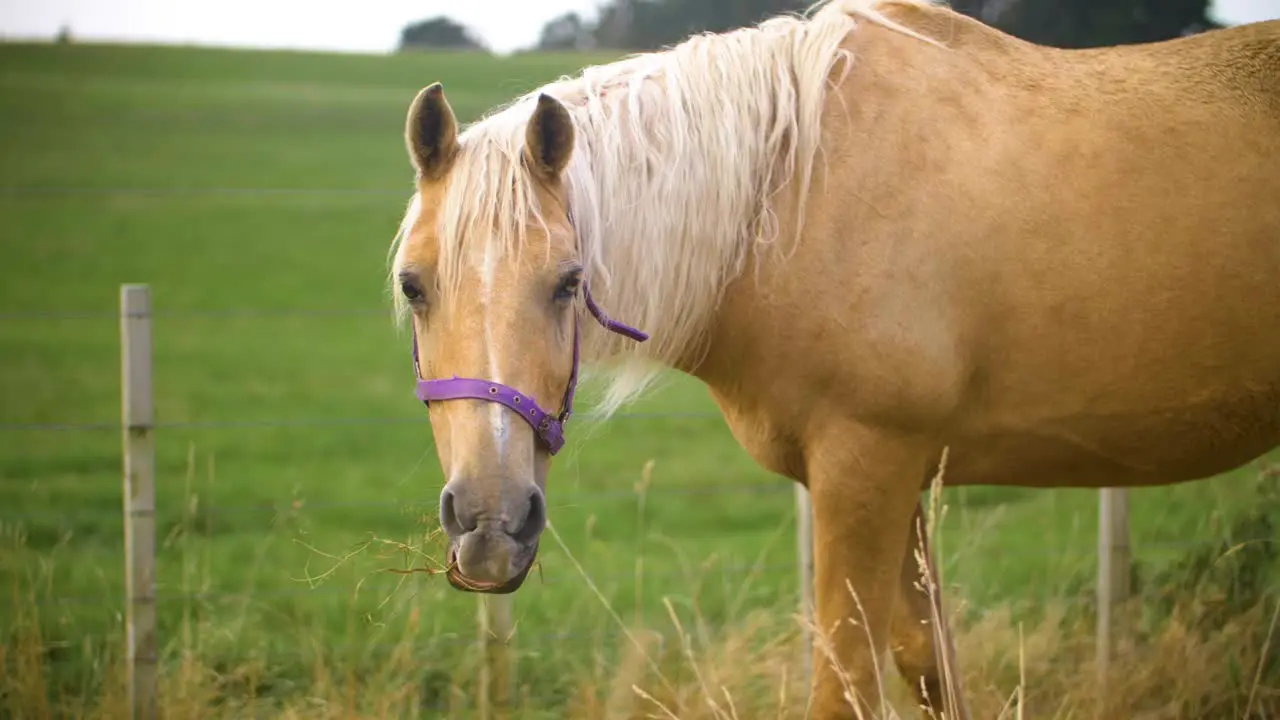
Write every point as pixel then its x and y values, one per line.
pixel 454 525
pixel 462 511
pixel 535 521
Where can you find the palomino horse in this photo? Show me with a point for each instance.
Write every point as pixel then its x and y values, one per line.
pixel 874 233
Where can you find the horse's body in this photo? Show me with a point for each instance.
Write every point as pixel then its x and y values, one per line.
pixel 1063 266
pixel 1066 263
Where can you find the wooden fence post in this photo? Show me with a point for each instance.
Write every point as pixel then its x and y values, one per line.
pixel 497 676
pixel 804 557
pixel 138 425
pixel 1113 574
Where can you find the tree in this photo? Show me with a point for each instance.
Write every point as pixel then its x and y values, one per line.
pixel 566 32
pixel 438 33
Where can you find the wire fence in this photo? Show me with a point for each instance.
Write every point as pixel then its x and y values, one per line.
pixel 146 602
pixel 144 595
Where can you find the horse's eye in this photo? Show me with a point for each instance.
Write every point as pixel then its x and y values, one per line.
pixel 412 292
pixel 568 286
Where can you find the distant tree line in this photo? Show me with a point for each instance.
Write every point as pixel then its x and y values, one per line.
pixel 651 24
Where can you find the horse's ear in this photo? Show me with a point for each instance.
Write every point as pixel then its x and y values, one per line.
pixel 431 133
pixel 548 139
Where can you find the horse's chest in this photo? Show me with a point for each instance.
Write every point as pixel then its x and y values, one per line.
pixel 773 445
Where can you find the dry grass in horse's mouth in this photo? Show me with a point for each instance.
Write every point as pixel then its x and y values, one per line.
pixel 431 556
pixel 417 556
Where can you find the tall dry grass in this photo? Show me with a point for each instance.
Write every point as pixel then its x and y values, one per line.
pixel 1196 641
pixel 752 670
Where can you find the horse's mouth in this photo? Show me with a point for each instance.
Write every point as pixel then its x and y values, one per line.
pixel 461 582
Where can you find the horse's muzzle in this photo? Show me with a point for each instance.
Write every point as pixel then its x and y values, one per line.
pixel 493 533
pixel 490 563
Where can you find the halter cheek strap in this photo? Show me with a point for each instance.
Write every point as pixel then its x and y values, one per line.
pixel 547 428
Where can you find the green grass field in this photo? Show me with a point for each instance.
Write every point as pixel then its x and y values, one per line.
pixel 257 193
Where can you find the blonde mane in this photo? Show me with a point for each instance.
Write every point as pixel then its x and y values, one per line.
pixel 677 156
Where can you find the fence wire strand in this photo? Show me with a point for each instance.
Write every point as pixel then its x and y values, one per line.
pixel 310 422
pixel 196 313
pixel 23 191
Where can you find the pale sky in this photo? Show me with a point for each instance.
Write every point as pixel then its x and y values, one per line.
pixel 346 25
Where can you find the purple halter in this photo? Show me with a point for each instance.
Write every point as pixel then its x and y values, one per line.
pixel 548 429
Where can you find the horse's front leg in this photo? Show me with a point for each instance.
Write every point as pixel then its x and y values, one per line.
pixel 920 637
pixel 864 485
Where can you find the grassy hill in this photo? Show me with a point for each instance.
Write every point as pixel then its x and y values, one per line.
pixel 257 194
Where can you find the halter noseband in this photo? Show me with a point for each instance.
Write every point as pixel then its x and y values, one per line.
pixel 547 428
